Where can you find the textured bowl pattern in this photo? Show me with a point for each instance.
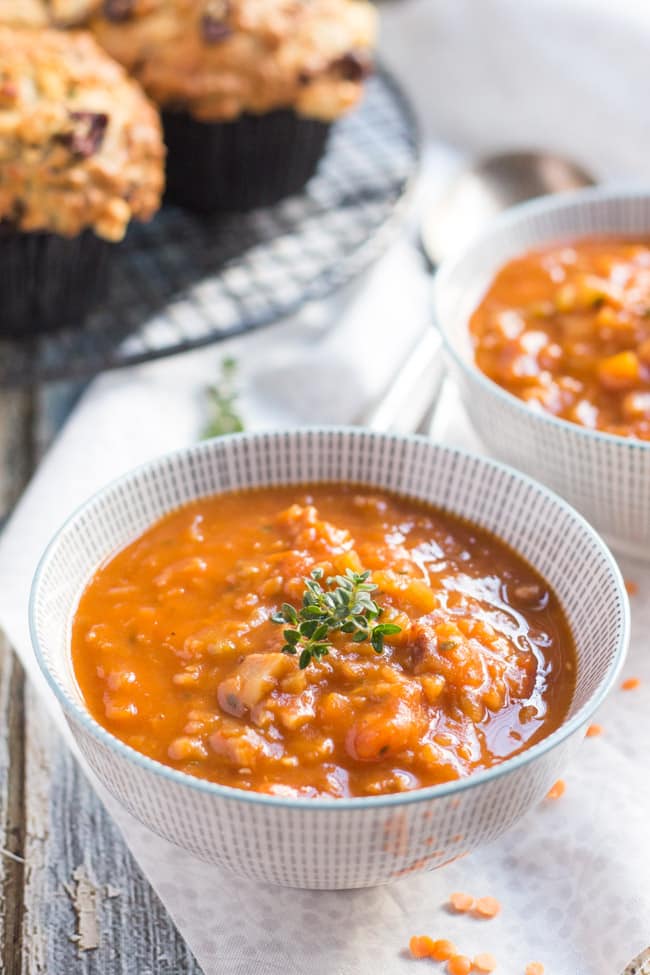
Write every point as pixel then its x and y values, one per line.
pixel 347 842
pixel 606 477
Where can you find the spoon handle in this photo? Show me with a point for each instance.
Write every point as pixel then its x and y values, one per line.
pixel 411 396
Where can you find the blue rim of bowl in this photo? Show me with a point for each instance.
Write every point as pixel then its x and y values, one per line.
pixel 510 218
pixel 547 744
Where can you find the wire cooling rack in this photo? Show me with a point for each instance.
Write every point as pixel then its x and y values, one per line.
pixel 184 281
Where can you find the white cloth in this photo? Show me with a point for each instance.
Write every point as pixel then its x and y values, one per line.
pixel 564 75
pixel 573 876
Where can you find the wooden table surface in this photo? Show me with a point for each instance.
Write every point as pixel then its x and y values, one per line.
pixel 63 863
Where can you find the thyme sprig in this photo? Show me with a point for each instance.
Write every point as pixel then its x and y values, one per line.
pixel 222 398
pixel 346 606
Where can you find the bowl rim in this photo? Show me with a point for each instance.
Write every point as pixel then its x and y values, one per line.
pixel 79 714
pixel 611 192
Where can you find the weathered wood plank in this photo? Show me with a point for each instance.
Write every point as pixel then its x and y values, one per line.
pixel 16 445
pixel 11 809
pixel 16 459
pixel 53 403
pixel 51 822
pixel 67 828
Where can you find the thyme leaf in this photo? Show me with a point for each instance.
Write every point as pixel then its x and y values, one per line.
pixel 224 417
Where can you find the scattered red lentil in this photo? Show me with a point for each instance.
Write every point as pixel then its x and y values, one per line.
pixel 487 907
pixel 556 791
pixel 630 684
pixel 535 968
pixel 594 730
pixel 632 587
pixel 485 962
pixel 462 903
pixel 421 946
pixel 459 965
pixel 443 950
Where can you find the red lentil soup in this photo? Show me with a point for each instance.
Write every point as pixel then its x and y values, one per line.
pixel 176 652
pixel 567 328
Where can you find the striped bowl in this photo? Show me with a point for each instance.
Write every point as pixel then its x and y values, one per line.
pixel 606 477
pixel 338 843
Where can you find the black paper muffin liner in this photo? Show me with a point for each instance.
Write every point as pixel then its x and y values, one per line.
pixel 48 282
pixel 251 162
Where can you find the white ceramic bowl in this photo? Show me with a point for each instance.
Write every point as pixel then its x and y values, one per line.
pixel 346 842
pixel 606 477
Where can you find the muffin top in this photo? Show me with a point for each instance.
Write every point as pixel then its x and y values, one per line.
pixel 219 58
pixel 45 13
pixel 80 144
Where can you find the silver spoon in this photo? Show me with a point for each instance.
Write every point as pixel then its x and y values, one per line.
pixel 487 187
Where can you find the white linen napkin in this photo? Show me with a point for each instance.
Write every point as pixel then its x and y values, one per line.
pixel 573 876
pixel 569 76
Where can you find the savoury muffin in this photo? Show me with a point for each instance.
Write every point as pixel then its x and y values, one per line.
pixel 248 88
pixel 81 154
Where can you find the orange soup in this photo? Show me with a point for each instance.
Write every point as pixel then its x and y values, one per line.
pixel 203 646
pixel 567 328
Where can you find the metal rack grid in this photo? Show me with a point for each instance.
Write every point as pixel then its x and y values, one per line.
pixel 184 281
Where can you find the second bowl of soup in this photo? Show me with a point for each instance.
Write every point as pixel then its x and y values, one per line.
pixel 546 319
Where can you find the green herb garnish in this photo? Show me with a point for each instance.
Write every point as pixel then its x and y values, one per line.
pixel 346 606
pixel 222 400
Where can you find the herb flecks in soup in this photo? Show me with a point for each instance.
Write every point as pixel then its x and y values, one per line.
pixel 567 329
pixel 177 652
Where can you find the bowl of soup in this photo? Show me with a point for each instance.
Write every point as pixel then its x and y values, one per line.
pixel 328 658
pixel 546 322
